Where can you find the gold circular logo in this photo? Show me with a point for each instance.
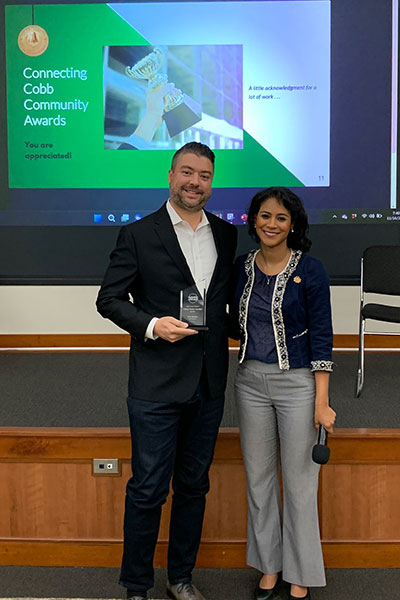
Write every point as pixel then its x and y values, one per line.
pixel 33 40
pixel 297 279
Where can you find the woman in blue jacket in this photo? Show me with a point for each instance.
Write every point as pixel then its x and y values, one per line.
pixel 283 314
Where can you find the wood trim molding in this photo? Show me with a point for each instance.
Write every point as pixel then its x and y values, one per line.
pixel 55 553
pixel 65 553
pixel 350 341
pixel 365 446
pixel 117 341
pixel 361 555
pixel 348 446
pixel 65 340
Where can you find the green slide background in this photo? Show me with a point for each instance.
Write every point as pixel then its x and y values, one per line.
pixel 77 34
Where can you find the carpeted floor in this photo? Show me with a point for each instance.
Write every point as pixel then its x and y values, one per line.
pixel 215 584
pixel 89 390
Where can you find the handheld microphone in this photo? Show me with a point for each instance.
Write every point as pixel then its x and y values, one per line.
pixel 321 452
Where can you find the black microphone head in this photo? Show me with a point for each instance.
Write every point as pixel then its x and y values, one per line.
pixel 320 454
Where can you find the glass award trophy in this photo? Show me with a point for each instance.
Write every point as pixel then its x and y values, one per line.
pixel 193 308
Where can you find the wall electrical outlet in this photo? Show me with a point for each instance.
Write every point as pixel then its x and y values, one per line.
pixel 106 466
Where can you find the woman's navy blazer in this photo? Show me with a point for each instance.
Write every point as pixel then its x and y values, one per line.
pixel 301 311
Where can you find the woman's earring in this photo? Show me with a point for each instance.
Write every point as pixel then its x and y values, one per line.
pixel 292 230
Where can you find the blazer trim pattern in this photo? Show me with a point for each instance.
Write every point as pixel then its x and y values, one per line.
pixel 244 301
pixel 321 365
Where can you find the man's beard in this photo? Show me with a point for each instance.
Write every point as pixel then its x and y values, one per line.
pixel 178 198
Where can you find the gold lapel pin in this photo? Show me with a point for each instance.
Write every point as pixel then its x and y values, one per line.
pixel 297 279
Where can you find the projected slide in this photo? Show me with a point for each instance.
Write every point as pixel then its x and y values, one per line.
pixel 101 95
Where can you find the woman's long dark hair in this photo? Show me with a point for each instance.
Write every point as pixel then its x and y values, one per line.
pixel 297 239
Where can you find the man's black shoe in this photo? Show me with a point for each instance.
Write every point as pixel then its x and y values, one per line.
pixel 133 595
pixel 184 591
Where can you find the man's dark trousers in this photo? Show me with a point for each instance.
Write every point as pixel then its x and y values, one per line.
pixel 168 439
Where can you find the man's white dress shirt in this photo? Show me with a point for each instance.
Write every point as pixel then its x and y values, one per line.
pixel 199 250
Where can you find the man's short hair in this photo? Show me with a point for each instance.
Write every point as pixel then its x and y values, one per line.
pixel 193 148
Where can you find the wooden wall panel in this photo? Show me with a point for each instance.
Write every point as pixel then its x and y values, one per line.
pixel 226 504
pixel 65 501
pixel 60 501
pixel 361 502
pixel 56 512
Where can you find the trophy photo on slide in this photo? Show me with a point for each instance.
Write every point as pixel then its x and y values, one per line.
pixel 180 111
pixel 157 97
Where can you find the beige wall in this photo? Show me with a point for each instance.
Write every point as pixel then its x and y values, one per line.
pixel 70 309
pixel 51 309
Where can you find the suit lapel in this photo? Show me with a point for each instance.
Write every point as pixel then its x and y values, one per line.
pixel 219 244
pixel 167 235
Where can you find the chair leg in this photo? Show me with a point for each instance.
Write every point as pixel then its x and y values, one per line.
pixel 361 359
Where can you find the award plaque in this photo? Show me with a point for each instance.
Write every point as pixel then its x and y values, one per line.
pixel 193 308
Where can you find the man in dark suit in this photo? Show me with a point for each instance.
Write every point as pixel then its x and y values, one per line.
pixel 177 375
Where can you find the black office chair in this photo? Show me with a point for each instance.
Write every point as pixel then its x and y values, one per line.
pixel 380 274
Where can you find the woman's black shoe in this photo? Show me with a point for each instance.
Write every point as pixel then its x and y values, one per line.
pixel 267 594
pixel 306 597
